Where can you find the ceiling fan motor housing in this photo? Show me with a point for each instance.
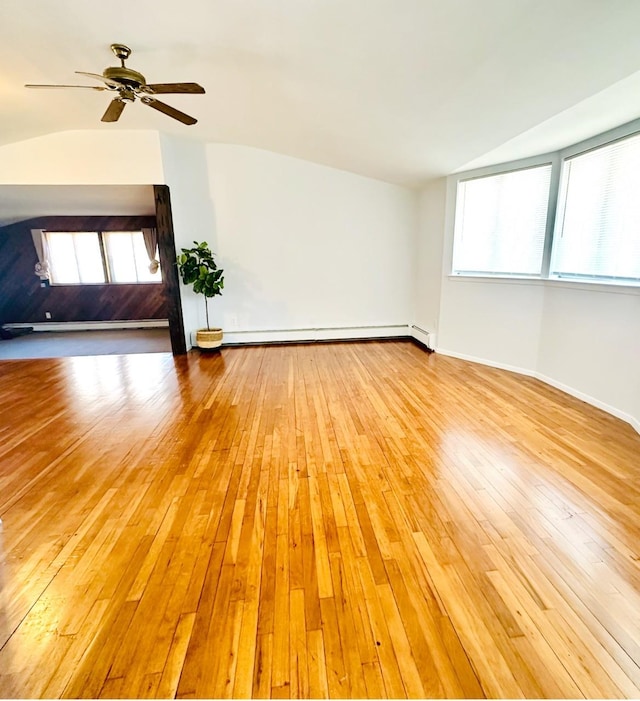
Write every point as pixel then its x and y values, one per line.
pixel 126 76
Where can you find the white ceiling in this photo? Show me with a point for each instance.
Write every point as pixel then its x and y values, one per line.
pixel 400 90
pixel 19 202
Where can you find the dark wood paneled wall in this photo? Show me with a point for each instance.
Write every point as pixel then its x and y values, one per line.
pixel 24 300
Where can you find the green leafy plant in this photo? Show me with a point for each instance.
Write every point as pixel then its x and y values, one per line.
pixel 198 268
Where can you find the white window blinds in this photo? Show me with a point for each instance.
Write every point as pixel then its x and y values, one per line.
pixel 501 222
pixel 75 258
pixel 128 257
pixel 598 231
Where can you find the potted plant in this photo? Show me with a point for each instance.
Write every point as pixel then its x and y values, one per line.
pixel 198 268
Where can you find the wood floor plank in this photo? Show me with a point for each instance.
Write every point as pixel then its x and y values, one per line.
pixel 345 520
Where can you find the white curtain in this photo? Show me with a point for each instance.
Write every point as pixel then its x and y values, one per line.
pixel 42 249
pixel 151 244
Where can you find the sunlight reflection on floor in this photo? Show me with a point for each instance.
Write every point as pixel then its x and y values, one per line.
pixel 104 378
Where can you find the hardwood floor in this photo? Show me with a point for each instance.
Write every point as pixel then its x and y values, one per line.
pixel 333 520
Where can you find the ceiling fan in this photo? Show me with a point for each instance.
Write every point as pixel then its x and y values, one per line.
pixel 129 85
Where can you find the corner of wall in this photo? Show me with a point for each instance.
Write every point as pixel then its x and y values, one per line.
pixel 429 258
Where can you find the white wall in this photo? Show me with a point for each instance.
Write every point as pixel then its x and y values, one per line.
pixel 493 322
pixel 582 338
pixel 429 249
pixel 84 158
pixel 185 172
pixel 309 247
pixel 590 343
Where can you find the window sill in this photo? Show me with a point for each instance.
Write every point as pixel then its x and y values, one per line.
pixel 586 285
pixel 100 284
pixel 499 279
pixel 595 286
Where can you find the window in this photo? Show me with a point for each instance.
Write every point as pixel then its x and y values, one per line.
pixel 75 258
pixel 503 219
pixel 127 257
pixel 598 230
pixel 99 257
pixel 501 222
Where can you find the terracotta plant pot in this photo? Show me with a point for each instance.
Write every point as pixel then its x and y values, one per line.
pixel 209 338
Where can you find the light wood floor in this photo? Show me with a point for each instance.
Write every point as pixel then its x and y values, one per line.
pixel 343 520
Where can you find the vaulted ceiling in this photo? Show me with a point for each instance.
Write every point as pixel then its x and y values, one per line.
pixel 400 90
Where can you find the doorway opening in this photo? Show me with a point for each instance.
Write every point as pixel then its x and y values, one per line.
pixel 128 318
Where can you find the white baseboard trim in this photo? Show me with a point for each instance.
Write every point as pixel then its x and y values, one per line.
pixel 483 361
pixel 628 418
pixel 342 333
pixel 590 400
pixel 93 325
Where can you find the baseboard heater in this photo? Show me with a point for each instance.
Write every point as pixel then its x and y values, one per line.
pixel 325 335
pixel 424 337
pixel 94 325
pixel 314 334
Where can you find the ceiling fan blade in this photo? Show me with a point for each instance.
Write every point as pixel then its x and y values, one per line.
pixel 97 76
pixel 168 110
pixel 86 87
pixel 160 88
pixel 114 110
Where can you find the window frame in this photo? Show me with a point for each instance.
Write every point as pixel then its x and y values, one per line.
pixel 515 168
pixel 557 159
pixel 105 258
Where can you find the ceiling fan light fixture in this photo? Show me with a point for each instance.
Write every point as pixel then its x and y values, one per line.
pixel 127 95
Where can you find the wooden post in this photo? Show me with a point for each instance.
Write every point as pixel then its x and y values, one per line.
pixel 167 253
